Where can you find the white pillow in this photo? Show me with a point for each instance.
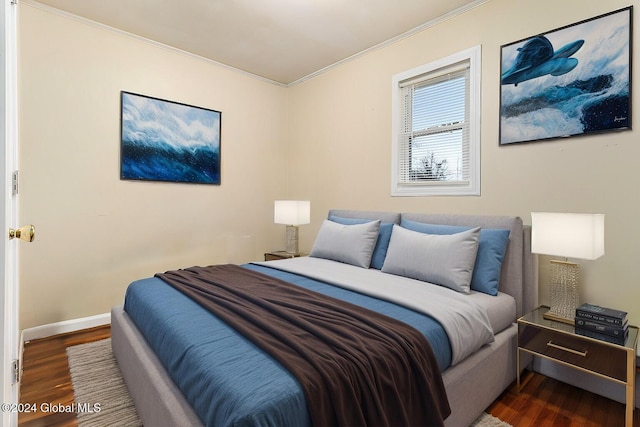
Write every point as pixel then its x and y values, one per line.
pixel 351 244
pixel 445 260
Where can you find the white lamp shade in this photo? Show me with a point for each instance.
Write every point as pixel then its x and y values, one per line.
pixel 292 212
pixel 569 235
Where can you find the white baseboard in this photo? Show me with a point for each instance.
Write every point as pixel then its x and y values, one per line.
pixel 65 327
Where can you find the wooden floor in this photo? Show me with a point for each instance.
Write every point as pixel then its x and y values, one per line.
pixel 546 402
pixel 542 402
pixel 46 378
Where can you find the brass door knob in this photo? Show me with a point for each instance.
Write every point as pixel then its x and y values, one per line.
pixel 26 233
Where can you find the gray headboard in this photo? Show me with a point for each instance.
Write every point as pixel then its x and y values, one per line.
pixel 519 275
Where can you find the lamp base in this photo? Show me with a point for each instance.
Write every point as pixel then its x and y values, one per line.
pixel 564 292
pixel 550 316
pixel 292 240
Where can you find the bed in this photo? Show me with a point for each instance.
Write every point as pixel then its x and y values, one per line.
pixel 473 375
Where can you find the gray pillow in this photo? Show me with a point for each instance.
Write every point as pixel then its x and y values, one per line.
pixel 351 244
pixel 445 260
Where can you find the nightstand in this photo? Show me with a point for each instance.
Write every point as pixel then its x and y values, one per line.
pixel 558 342
pixel 270 256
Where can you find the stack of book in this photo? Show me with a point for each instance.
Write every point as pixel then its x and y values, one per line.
pixel 602 323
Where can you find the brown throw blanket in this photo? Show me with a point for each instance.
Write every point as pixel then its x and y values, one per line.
pixel 356 367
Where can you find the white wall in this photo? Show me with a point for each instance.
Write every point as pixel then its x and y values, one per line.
pixel 327 139
pixel 340 136
pixel 96 233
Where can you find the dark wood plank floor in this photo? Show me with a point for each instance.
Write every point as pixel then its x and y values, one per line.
pixel 46 378
pixel 542 402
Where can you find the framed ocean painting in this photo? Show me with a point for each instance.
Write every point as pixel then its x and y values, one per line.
pixel 168 141
pixel 575 80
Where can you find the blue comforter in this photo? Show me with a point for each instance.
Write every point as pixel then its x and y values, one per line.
pixel 226 379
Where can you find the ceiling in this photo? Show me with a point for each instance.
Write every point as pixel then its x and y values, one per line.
pixel 284 41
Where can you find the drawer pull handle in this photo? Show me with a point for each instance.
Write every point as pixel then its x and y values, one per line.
pixel 570 350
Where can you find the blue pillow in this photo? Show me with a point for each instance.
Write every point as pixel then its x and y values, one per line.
pixel 491 250
pixel 384 235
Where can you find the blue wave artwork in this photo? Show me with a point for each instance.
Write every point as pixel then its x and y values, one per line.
pixel 168 141
pixel 567 82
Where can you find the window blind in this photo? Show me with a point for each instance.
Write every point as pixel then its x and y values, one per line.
pixel 434 127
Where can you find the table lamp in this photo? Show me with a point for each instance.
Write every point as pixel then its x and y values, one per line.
pixel 568 235
pixel 292 213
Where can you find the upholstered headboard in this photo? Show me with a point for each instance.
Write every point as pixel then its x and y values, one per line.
pixel 518 277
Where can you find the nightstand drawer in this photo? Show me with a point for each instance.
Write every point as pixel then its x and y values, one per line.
pixel 558 341
pixel 590 354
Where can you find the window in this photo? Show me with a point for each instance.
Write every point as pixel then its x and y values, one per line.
pixel 436 128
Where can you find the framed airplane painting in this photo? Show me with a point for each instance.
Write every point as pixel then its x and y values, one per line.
pixel 575 80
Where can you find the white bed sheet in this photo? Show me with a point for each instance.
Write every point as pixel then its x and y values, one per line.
pixel 466 322
pixel 501 309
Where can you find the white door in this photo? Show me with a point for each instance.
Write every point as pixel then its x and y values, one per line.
pixel 8 217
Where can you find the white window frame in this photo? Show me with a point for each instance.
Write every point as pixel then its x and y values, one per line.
pixel 471 187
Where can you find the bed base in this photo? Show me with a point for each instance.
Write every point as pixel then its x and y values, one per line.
pixel 471 385
pixel 158 400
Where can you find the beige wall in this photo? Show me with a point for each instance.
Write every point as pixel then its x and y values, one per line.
pixel 340 136
pixel 96 233
pixel 327 139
